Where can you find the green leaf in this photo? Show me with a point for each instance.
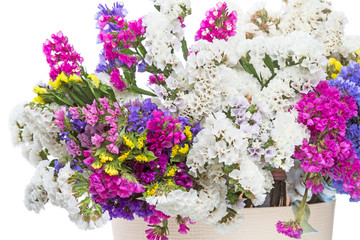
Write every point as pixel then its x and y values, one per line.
pixel 135 89
pixel 150 155
pixel 249 68
pixel 184 48
pixel 142 50
pixel 157 7
pixel 127 51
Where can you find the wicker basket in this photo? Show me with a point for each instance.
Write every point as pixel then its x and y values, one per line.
pixel 259 224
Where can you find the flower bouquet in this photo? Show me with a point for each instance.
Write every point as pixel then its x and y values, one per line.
pixel 260 111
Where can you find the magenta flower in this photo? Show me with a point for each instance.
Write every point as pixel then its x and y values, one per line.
pixel 96 140
pixel 290 229
pixel 315 187
pixel 103 186
pixel 59 118
pixel 61 56
pixel 183 229
pixel 219 24
pixel 116 80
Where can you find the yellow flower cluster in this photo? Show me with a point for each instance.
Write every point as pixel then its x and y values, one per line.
pixel 128 142
pixel 38 99
pixel 96 165
pixel 63 78
pixel 337 66
pixel 39 90
pixel 172 171
pixel 188 133
pixel 95 79
pixel 141 142
pixel 141 158
pixel 174 150
pixel 184 150
pixel 109 169
pixel 124 156
pixel 105 158
pixel 151 192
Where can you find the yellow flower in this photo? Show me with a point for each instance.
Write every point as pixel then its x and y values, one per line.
pixel 55 84
pixel 141 158
pixel 184 150
pixel 39 90
pixel 357 52
pixel 188 133
pixel 109 169
pixel 141 142
pixel 174 150
pixel 128 142
pixel 124 156
pixel 332 61
pixel 75 78
pixel 172 171
pixel 96 165
pixel 95 79
pixel 334 75
pixel 151 192
pixel 62 77
pixel 338 66
pixel 38 99
pixel 170 183
pixel 104 158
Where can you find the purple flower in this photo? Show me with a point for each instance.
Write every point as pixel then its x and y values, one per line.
pixel 290 229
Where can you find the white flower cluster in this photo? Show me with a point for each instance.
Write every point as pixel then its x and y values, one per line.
pixel 204 78
pixel 287 134
pixel 46 186
pixel 317 18
pixel 222 143
pixel 33 130
pixel 163 36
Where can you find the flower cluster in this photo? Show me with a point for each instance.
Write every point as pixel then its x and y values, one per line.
pixel 255 99
pixel 219 24
pixel 61 56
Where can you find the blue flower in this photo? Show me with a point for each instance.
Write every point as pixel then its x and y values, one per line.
pixel 142 66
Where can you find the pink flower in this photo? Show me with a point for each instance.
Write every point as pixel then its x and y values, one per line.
pixel 183 229
pixel 115 79
pixel 290 229
pixel 219 24
pixel 96 140
pixel 59 118
pixel 315 187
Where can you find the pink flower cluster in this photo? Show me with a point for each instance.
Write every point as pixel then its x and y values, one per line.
pixel 59 118
pixel 325 112
pixel 124 38
pixel 103 186
pixel 291 229
pixel 116 80
pixel 92 114
pixel 218 24
pixel 61 56
pixel 163 132
pixel 156 79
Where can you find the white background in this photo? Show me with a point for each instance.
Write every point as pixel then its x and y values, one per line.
pixel 25 25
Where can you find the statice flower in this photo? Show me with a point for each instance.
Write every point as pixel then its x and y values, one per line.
pixel 159 137
pixel 219 24
pixel 116 80
pixel 325 112
pixel 290 229
pixel 126 208
pixel 348 81
pixel 103 187
pixel 61 56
